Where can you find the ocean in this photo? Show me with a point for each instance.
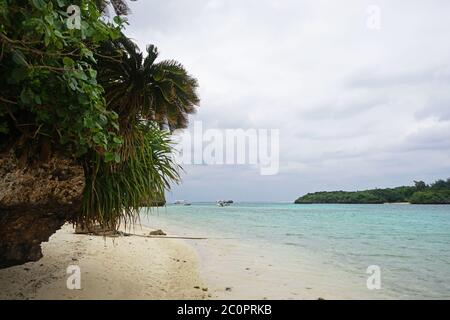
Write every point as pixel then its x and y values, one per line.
pixel 324 248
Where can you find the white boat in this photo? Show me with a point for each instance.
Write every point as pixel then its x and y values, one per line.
pixel 224 203
pixel 182 203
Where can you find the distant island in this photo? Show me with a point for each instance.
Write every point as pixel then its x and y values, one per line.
pixel 420 193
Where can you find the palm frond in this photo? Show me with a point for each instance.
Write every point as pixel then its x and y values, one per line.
pixel 120 7
pixel 163 91
pixel 115 193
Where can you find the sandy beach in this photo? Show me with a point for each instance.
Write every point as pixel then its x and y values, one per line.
pixel 196 260
pixel 130 267
pixel 181 265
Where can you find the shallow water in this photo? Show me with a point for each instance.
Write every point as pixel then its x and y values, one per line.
pixel 409 243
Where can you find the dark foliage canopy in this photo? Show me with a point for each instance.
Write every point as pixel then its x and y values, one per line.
pixel 89 94
pixel 421 193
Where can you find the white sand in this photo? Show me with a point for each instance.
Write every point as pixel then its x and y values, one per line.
pixel 136 267
pixel 234 268
pixel 111 268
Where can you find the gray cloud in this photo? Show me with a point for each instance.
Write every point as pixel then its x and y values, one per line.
pixel 355 107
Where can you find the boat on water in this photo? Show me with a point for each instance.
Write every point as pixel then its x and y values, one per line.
pixel 224 203
pixel 182 203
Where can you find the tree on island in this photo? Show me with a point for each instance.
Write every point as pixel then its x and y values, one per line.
pixel 420 185
pixel 420 193
pixel 79 141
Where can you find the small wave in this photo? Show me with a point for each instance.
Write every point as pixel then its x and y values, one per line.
pixel 300 235
pixel 388 255
pixel 268 226
pixel 293 244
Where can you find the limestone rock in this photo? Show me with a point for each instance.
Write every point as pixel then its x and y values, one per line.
pixel 157 233
pixel 35 201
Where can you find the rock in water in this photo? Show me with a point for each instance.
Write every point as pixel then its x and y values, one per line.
pixel 35 201
pixel 157 233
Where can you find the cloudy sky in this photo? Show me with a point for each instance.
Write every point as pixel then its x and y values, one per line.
pixel 357 106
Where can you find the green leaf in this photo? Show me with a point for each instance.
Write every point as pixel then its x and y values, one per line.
pixel 49 19
pixel 37 99
pixel 114 115
pixel 118 20
pixel 26 96
pixel 4 127
pixel 39 4
pixel 88 122
pixel 83 99
pixel 68 62
pixel 59 45
pixel 19 58
pixel 73 84
pixel 88 54
pixel 110 157
pixel 92 73
pixel 19 74
pixel 158 75
pixel 80 75
pixel 117 140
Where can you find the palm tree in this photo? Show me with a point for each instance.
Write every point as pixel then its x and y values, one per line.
pixel 114 180
pixel 144 94
pixel 114 193
pixel 120 6
pixel 160 91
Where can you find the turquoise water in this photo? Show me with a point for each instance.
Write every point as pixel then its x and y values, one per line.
pixel 410 243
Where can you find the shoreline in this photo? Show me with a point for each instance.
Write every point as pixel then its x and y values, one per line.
pixel 188 263
pixel 125 267
pixel 179 266
pixel 239 269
